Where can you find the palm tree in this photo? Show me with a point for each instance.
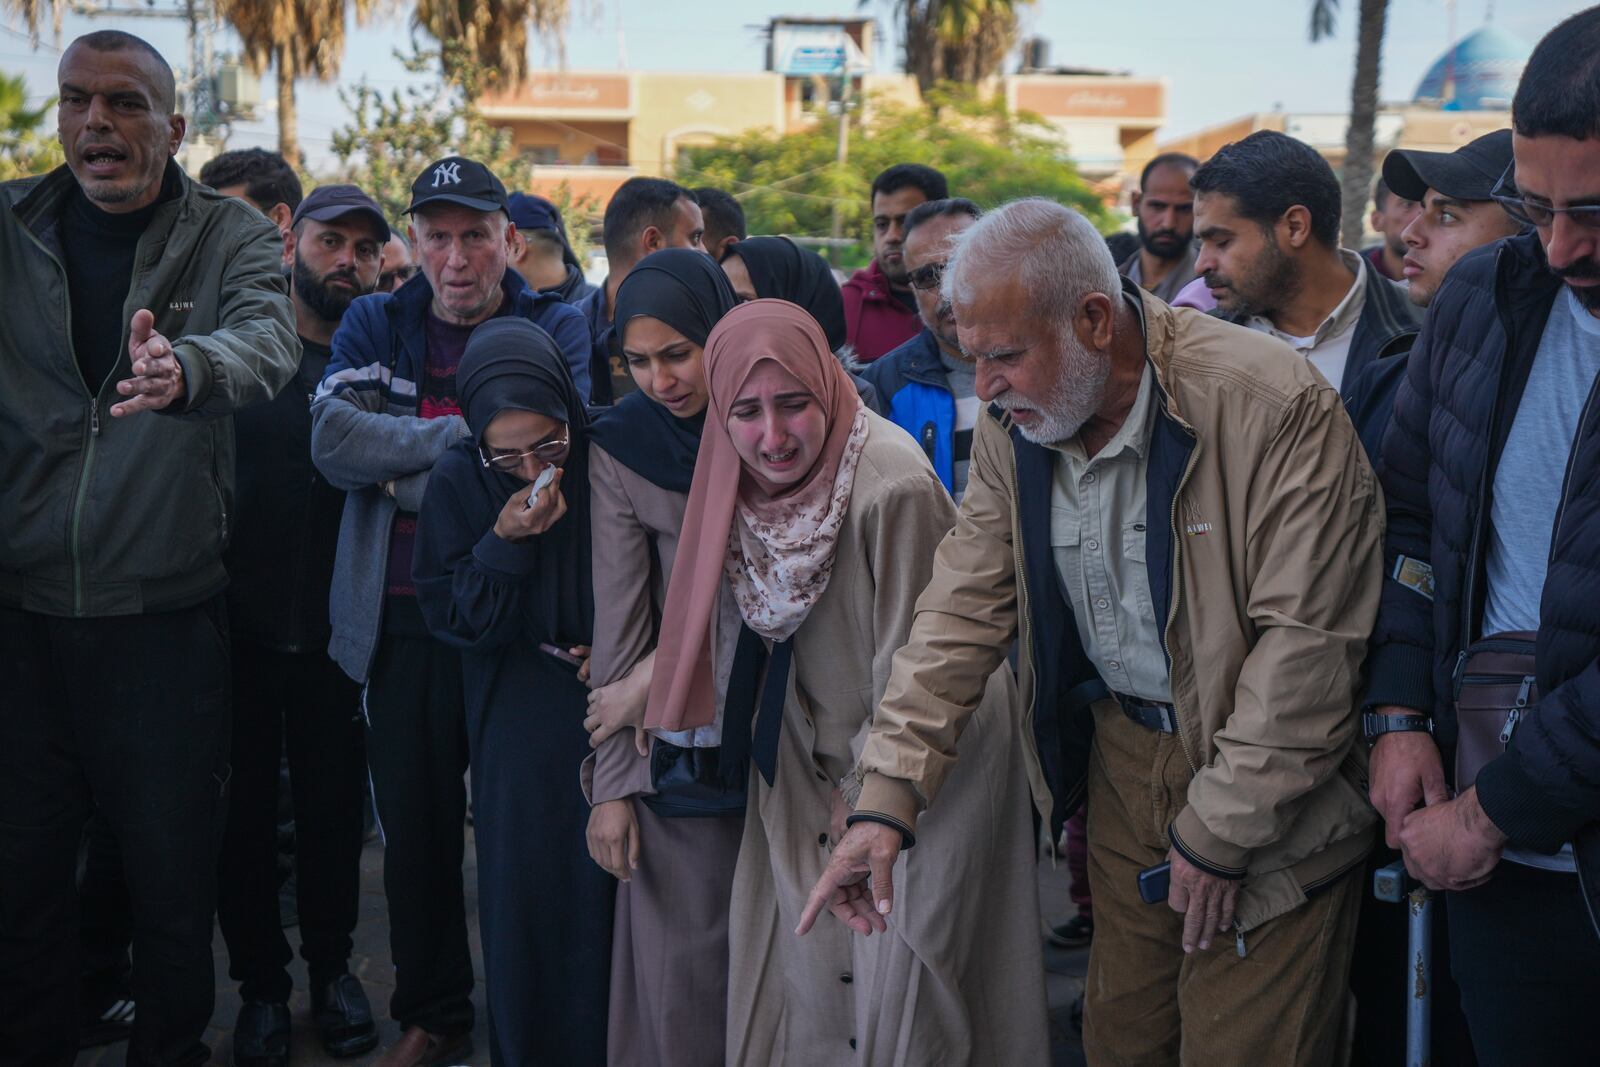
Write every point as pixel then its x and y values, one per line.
pixel 298 38
pixel 16 119
pixel 1358 143
pixel 492 33
pixel 956 40
pixel 31 13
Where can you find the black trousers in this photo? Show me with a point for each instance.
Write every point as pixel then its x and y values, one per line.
pixel 417 753
pixel 1527 960
pixel 126 717
pixel 302 704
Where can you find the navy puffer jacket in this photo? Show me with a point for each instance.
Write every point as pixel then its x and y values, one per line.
pixel 1463 383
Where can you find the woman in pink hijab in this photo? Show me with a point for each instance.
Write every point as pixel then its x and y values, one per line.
pixel 822 520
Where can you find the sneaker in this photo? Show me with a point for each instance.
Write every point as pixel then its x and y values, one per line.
pixel 108 1022
pixel 1076 932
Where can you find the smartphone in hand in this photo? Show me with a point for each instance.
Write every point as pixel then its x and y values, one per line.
pixel 561 654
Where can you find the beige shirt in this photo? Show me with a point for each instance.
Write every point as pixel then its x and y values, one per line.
pixel 1097 535
pixel 1329 348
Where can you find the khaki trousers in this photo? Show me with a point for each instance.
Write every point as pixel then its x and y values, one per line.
pixel 1282 1005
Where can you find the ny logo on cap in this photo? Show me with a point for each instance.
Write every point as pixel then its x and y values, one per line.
pixel 447 174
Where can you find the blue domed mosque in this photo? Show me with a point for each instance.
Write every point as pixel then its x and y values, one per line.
pixel 1479 73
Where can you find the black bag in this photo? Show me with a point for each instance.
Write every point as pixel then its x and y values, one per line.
pixel 691 782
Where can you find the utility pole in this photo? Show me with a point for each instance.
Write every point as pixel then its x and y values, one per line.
pixel 843 151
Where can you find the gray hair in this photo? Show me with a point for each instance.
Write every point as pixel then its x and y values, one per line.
pixel 1053 252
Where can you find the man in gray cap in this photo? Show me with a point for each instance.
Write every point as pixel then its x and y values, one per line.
pixel 1457 213
pixel 288 696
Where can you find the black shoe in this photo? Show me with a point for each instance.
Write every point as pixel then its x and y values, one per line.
pixel 344 1017
pixel 1076 932
pixel 107 1020
pixel 261 1035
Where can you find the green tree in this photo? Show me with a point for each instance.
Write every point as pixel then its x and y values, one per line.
pixel 25 149
pixel 1356 179
pixel 956 40
pixel 790 184
pixel 391 137
pixel 492 33
pixel 298 38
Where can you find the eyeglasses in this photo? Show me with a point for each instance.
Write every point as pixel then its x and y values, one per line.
pixel 386 280
pixel 1539 216
pixel 927 277
pixel 549 453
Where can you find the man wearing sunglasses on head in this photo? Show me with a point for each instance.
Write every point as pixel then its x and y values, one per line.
pixel 926 385
pixel 1486 657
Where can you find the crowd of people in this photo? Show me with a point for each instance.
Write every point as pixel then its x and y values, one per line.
pixel 763 627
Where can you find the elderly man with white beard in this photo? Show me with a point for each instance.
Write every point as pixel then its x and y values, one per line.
pixel 1173 518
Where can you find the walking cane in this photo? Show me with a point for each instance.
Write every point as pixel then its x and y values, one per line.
pixel 1389 884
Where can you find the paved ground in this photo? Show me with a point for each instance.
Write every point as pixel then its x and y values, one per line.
pixel 1063 977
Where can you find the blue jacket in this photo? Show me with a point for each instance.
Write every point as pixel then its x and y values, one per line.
pixel 914 392
pixel 365 432
pixel 1464 380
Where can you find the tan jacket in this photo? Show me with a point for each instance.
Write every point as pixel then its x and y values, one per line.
pixel 1277 532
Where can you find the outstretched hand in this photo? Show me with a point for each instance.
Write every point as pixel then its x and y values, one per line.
pixel 858 883
pixel 157 375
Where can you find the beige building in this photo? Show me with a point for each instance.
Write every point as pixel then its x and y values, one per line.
pixel 595 129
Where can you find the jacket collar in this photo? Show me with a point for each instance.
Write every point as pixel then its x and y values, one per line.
pixel 407 309
pixel 1387 316
pixel 41 206
pixel 923 363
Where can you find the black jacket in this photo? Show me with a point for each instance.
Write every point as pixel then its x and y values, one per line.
pixel 280 564
pixel 1387 327
pixel 1463 383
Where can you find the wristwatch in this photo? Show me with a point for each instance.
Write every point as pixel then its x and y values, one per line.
pixel 1374 725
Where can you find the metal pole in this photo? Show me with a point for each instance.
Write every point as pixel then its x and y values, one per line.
pixel 844 146
pixel 1419 904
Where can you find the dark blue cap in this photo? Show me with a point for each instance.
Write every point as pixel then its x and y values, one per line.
pixel 329 202
pixel 531 212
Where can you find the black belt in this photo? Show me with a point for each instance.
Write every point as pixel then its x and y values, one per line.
pixel 1148 713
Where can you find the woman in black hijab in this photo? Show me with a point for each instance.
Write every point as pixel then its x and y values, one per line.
pixel 508 583
pixel 777 267
pixel 664 823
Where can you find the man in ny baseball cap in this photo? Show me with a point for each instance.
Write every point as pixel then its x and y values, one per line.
pixel 458 180
pixel 540 251
pixel 1458 214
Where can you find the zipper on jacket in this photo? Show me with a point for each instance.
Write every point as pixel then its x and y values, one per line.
pixel 81 493
pixel 1238 939
pixel 1172 612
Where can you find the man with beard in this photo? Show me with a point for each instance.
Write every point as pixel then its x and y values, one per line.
pixel 926 385
pixel 1164 208
pixel 880 311
pixel 1267 214
pixel 1391 214
pixel 288 695
pixel 148 310
pixel 1491 474
pixel 1190 568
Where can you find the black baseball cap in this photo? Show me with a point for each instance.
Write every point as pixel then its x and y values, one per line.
pixel 1468 173
pixel 457 180
pixel 329 202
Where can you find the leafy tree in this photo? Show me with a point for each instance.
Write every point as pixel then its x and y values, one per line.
pixel 24 149
pixel 956 40
pixel 789 184
pixel 392 136
pixel 297 38
pixel 492 33
pixel 1356 178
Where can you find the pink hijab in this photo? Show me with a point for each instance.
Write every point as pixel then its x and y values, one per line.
pixel 775 544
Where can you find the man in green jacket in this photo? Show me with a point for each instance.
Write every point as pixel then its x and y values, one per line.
pixel 144 309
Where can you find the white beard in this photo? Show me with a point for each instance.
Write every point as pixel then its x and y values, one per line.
pixel 1077 395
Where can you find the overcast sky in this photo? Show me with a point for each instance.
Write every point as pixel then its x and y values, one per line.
pixel 1223 59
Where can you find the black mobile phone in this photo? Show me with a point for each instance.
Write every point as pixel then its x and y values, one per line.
pixel 560 654
pixel 1153 882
